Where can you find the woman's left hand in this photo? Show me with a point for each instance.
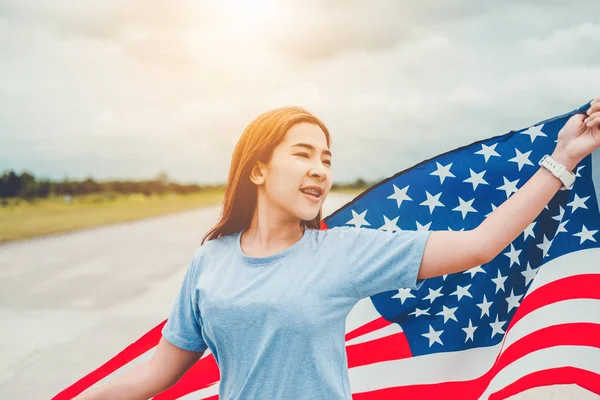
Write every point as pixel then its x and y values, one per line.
pixel 579 137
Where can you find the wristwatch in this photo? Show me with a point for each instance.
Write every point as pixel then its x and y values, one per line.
pixel 558 170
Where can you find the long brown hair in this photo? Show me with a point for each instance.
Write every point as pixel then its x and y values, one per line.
pixel 257 144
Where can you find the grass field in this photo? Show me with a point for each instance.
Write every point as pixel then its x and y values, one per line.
pixel 23 220
pixel 30 219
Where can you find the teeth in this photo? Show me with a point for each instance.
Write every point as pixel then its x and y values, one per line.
pixel 311 191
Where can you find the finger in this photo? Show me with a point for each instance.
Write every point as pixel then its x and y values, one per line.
pixel 594 106
pixel 593 120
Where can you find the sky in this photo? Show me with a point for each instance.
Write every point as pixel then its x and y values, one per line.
pixel 124 89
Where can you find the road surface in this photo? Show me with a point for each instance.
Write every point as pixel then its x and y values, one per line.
pixel 69 302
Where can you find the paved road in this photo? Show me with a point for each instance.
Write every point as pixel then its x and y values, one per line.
pixel 70 302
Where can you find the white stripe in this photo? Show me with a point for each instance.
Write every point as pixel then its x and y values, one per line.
pixel 202 393
pixel 431 368
pixel 363 312
pixel 378 334
pixel 583 357
pixel 563 312
pixel 576 263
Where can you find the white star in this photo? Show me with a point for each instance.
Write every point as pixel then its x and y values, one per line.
pixel 512 300
pixel 579 169
pixel 545 246
pixel 432 201
pixel 474 271
pixel 578 202
pixel 585 234
pixel 399 195
pixel 476 179
pixel 521 158
pixel 452 230
pixel 433 336
pixel 390 225
pixel 529 231
pixel 448 313
pixel 488 151
pixel 443 171
pixel 469 330
pixel 561 227
pixel 497 327
pixel 509 187
pixel 493 209
pixel 513 255
pixel 465 207
pixel 534 132
pixel 418 312
pixel 529 274
pixel 403 294
pixel 423 227
pixel 485 307
pixel 499 281
pixel 461 291
pixel 433 294
pixel 358 219
pixel 561 214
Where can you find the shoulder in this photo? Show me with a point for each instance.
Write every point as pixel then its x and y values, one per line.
pixel 212 250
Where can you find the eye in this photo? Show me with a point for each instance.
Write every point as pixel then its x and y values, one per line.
pixel 305 155
pixel 327 162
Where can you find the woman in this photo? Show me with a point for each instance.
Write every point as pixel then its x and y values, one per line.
pixel 269 293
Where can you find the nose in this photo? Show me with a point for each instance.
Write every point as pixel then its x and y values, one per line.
pixel 318 172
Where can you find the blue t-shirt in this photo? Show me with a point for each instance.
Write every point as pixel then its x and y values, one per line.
pixel 276 324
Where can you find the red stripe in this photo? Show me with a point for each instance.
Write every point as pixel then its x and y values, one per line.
pixel 368 328
pixel 555 376
pixel 583 334
pixel 324 225
pixel 200 376
pixel 392 347
pixel 573 287
pixel 131 352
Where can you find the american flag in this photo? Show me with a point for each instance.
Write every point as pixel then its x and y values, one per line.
pixel 529 318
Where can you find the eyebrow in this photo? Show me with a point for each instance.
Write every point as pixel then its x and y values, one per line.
pixel 310 147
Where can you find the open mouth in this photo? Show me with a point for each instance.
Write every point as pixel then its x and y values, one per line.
pixel 314 193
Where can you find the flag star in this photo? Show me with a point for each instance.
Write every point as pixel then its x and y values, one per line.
pixel 390 225
pixel 529 273
pixel 423 227
pixel 399 195
pixel 585 234
pixel 476 179
pixel 465 207
pixel 512 300
pixel 513 255
pixel 448 313
pixel 509 187
pixel 418 312
pixel 579 169
pixel 358 219
pixel 461 291
pixel 521 158
pixel 488 151
pixel 474 271
pixel 403 294
pixel 485 307
pixel 534 132
pixel 561 214
pixel 443 172
pixel 561 227
pixel 493 209
pixel 529 231
pixel 452 230
pixel 432 201
pixel 578 202
pixel 499 281
pixel 433 294
pixel 497 327
pixel 469 330
pixel 433 336
pixel 444 277
pixel 545 246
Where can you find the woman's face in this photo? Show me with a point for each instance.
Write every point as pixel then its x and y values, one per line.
pixel 298 177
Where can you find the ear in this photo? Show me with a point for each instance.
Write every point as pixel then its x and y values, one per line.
pixel 257 174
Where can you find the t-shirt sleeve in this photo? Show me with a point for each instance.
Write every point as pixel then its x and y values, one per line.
pixel 379 261
pixel 184 325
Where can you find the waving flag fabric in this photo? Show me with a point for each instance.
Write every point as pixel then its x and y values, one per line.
pixel 529 318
